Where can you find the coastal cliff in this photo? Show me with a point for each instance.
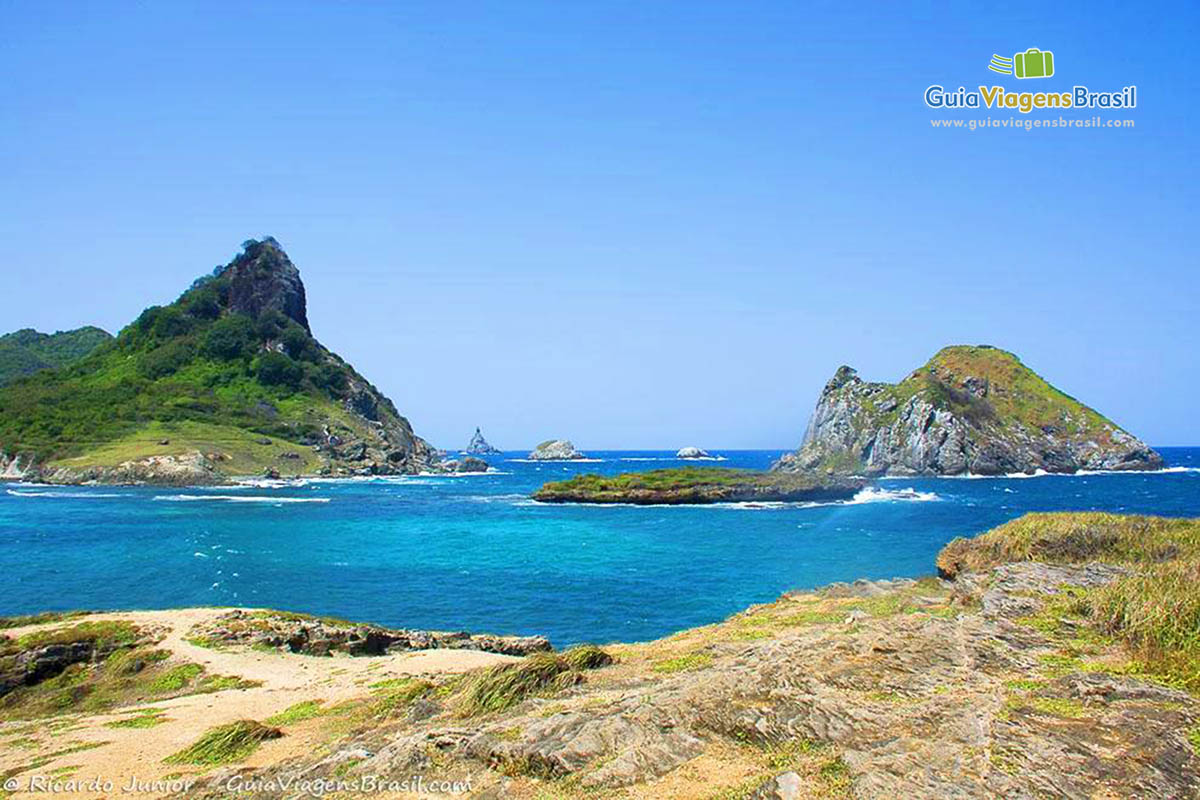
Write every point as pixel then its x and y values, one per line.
pixel 1039 665
pixel 227 380
pixel 970 410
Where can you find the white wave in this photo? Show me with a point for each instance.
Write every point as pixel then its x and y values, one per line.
pixel 269 483
pixel 19 493
pixel 671 458
pixel 233 498
pixel 514 499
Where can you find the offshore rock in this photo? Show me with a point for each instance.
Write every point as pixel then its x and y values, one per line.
pixel 555 450
pixel 692 452
pixel 479 446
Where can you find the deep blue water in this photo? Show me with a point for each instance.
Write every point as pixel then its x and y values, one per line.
pixel 472 553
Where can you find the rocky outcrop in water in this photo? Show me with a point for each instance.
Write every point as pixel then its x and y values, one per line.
pixel 700 486
pixel 479 446
pixel 692 452
pixel 555 450
pixel 970 410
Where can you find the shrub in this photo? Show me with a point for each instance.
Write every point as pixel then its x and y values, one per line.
pixel 230 338
pixel 167 359
pixel 276 369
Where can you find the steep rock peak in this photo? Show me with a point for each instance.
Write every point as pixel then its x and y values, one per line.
pixel 840 378
pixel 262 277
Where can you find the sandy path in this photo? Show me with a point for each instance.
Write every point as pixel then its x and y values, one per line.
pixel 286 679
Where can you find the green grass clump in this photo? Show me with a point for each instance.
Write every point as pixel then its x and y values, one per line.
pixel 504 685
pixel 145 719
pixel 586 656
pixel 1058 707
pixel 103 635
pixel 685 663
pixel 225 744
pixel 175 678
pixel 307 709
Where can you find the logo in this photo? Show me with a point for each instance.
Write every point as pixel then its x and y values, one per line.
pixel 1033 63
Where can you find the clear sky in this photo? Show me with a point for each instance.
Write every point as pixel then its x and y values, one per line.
pixel 629 224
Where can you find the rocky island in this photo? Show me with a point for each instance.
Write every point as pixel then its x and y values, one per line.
pixel 479 446
pixel 692 452
pixel 1038 665
pixel 227 380
pixel 970 410
pixel 698 486
pixel 555 450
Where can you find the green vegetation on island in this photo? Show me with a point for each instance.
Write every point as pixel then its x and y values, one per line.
pixel 27 351
pixel 698 485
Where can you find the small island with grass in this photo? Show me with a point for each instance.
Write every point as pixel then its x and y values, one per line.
pixel 699 485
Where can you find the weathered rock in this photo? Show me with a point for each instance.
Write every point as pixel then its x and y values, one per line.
pixel 555 450
pixel 471 464
pixel 313 636
pixel 692 452
pixel 189 469
pixel 974 410
pixel 479 446
pixel 782 787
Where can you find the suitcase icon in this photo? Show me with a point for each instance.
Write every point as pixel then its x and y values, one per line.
pixel 1034 63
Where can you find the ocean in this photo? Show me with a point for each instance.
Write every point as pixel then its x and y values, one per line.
pixel 473 552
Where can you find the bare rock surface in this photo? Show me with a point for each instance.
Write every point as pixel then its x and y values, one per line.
pixel 905 689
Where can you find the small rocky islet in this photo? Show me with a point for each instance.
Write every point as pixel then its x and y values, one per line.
pixel 698 486
pixel 1033 665
pixel 556 450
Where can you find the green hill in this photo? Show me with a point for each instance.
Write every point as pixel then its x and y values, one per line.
pixel 228 379
pixel 26 351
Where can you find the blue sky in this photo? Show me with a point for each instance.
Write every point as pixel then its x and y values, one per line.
pixel 630 224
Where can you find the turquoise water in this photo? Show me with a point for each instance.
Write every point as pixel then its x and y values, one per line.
pixel 473 553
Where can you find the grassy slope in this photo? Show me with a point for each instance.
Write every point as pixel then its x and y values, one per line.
pixel 1154 611
pixel 164 377
pixel 1018 398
